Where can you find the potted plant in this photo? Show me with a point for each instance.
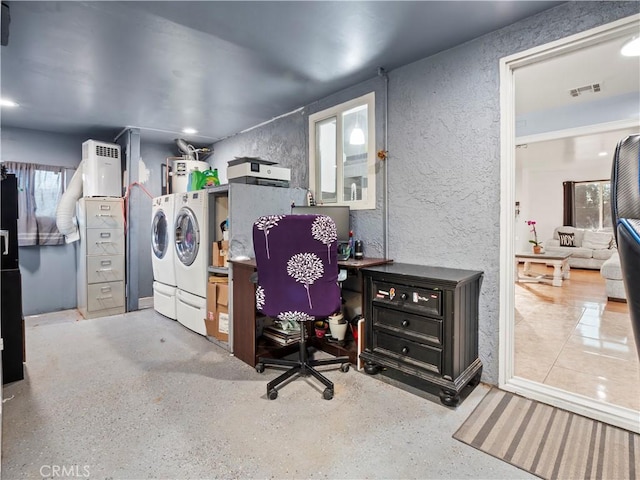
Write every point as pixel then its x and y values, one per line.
pixel 537 246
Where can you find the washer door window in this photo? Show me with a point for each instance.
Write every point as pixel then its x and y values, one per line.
pixel 187 236
pixel 160 234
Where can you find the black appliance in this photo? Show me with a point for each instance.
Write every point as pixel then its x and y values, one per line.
pixel 10 283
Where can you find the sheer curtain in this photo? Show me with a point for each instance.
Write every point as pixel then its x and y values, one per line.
pixel 39 191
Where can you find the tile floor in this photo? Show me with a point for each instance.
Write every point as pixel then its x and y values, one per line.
pixel 572 338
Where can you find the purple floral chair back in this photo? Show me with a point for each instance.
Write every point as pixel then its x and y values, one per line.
pixel 296 257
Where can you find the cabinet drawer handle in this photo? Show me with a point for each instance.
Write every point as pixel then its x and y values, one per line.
pixel 105 207
pixel 104 242
pixel 404 296
pixel 104 215
pixel 405 323
pixel 105 262
pixel 108 297
pixel 102 270
pixel 105 234
pixel 105 289
pixel 405 350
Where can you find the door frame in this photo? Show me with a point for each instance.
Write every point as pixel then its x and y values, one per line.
pixel 605 412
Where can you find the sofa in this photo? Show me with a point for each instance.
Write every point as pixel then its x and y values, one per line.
pixel 612 274
pixel 588 249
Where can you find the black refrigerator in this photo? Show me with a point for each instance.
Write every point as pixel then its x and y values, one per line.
pixel 10 283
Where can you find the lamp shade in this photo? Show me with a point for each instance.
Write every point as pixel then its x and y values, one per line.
pixel 356 137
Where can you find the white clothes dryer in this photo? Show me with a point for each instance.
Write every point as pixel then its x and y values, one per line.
pixel 192 246
pixel 162 239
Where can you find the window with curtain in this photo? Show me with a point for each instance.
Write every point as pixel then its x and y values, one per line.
pixel 590 204
pixel 39 190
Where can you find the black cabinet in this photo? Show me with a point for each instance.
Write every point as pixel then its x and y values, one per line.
pixel 12 322
pixel 422 326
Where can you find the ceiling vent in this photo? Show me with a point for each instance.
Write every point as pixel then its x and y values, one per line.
pixel 576 92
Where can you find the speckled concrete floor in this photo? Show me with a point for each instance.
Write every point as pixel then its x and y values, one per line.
pixel 139 396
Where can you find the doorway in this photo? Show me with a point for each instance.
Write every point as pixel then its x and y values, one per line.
pixel 513 131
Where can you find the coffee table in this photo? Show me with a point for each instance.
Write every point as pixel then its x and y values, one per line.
pixel 560 262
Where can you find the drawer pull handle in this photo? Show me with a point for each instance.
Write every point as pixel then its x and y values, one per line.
pixel 405 350
pixel 105 289
pixel 104 270
pixel 104 215
pixel 105 262
pixel 404 296
pixel 108 297
pixel 103 242
pixel 105 235
pixel 105 207
pixel 405 323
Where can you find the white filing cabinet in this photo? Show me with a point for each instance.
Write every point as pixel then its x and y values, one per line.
pixel 101 267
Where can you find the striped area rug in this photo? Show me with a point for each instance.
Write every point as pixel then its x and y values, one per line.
pixel 549 442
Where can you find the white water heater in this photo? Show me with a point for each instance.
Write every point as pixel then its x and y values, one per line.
pixel 102 171
pixel 181 171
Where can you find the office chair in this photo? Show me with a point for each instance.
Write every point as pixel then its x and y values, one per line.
pixel 297 281
pixel 625 215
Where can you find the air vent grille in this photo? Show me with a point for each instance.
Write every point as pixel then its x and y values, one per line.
pixel 106 151
pixel 593 88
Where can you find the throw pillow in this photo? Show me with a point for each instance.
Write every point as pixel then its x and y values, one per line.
pixel 566 239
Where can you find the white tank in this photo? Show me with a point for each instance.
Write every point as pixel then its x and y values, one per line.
pixel 180 173
pixel 102 172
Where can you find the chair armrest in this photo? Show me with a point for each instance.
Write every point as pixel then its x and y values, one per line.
pixel 552 242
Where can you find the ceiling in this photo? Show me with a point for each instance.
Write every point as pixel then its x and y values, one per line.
pixel 572 151
pixel 94 68
pixel 546 84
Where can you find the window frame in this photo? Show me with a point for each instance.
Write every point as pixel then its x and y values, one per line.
pixel 336 111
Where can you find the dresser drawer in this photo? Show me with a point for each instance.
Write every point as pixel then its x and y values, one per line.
pixel 105 241
pixel 101 296
pixel 423 301
pixel 414 353
pixel 408 324
pixel 104 213
pixel 105 268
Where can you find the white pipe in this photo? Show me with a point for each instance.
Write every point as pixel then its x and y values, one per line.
pixel 66 210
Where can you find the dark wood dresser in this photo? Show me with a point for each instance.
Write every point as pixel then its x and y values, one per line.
pixel 422 326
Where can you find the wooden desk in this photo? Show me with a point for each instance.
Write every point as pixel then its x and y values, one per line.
pixel 246 346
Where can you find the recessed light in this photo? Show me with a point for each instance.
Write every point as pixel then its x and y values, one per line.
pixel 631 48
pixel 5 102
pixel 603 154
pixel 189 131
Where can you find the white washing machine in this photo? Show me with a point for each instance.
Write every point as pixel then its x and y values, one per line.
pixel 192 251
pixel 163 255
pixel 162 239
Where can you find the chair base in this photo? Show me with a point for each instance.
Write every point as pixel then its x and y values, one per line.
pixel 303 367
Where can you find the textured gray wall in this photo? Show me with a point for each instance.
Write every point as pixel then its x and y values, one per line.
pixel 285 140
pixel 444 144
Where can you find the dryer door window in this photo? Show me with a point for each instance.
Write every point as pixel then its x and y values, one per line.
pixel 160 234
pixel 187 236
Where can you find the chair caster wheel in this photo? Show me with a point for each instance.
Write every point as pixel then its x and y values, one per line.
pixel 260 367
pixel 328 393
pixel 272 394
pixel 344 367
